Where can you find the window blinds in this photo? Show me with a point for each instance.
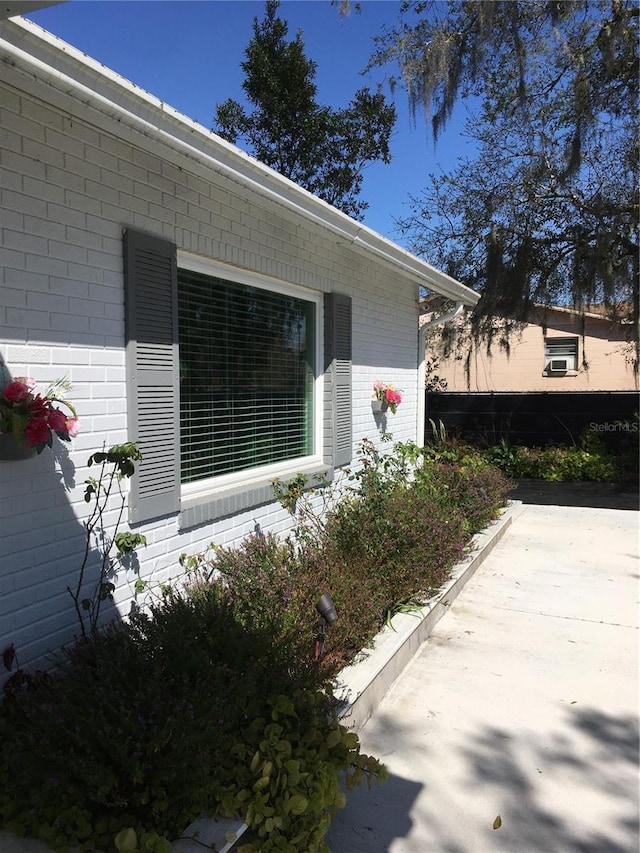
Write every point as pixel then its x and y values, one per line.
pixel 246 376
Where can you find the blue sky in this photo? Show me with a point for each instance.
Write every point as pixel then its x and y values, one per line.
pixel 189 54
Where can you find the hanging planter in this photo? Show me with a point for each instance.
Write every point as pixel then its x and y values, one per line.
pixel 29 420
pixel 12 450
pixel 385 396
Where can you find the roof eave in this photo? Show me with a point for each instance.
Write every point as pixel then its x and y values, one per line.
pixel 67 68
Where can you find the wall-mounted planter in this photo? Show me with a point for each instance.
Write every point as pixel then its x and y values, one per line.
pixel 379 406
pixel 11 450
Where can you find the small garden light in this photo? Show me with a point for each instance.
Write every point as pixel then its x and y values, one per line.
pixel 327 609
pixel 328 614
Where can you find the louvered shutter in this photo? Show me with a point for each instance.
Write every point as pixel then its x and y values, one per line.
pixel 337 349
pixel 152 373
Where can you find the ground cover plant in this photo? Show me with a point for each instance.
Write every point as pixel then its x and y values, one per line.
pixel 210 699
pixel 591 457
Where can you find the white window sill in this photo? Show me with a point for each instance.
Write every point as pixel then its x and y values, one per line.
pixel 198 509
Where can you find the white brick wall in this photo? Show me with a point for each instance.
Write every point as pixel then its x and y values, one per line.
pixel 67 190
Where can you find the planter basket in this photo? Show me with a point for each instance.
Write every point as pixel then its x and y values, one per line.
pixel 11 450
pixel 379 406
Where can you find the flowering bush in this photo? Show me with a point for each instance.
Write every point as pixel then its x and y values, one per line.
pixel 32 418
pixel 386 393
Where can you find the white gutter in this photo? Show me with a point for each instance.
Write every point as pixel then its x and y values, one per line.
pixel 73 73
pixel 422 346
pixel 444 318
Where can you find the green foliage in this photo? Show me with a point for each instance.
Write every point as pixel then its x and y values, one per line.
pixel 547 211
pixel 289 761
pixel 321 149
pixel 408 604
pixel 590 460
pixel 556 463
pixel 266 587
pixel 619 443
pixel 211 702
pixel 503 455
pixel 116 465
pixel 391 532
pixel 564 463
pixel 288 494
pixel 180 712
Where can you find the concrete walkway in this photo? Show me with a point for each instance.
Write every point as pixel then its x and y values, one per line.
pixel 522 704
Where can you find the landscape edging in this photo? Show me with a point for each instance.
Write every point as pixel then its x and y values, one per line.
pixel 361 686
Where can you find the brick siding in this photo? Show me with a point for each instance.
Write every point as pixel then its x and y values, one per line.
pixel 68 187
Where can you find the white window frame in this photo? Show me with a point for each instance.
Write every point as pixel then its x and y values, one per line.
pixel 561 342
pixel 152 371
pixel 212 486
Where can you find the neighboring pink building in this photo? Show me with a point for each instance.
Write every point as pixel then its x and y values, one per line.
pixel 559 350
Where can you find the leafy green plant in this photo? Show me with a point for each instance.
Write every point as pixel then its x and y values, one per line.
pixel 116 465
pixel 557 463
pixel 290 776
pixel 443 447
pixel 408 604
pixel 504 455
pixel 210 700
pixel 308 503
pixel 150 723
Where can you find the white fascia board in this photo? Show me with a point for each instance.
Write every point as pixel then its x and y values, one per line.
pixel 52 60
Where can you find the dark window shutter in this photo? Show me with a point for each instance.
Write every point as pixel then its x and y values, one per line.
pixel 152 373
pixel 337 364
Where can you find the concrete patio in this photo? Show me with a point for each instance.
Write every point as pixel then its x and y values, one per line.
pixel 515 695
pixel 522 704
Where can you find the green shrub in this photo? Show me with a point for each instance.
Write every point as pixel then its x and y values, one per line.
pixel 477 492
pixel 589 461
pixel 157 721
pixel 563 463
pixel 398 535
pixel 211 701
pixel 598 457
pixel 263 583
pixel 289 761
pixel 504 456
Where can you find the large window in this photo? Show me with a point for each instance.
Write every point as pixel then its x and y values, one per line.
pixel 247 372
pixel 232 380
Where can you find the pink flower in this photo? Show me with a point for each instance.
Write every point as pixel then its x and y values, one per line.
pixel 387 394
pixel 17 390
pixel 34 417
pixel 73 427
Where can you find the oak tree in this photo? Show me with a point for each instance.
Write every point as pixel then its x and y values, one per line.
pixel 547 210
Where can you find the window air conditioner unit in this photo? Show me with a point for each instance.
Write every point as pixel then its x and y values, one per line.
pixel 560 365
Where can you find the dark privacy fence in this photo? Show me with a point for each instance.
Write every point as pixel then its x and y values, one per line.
pixel 532 418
